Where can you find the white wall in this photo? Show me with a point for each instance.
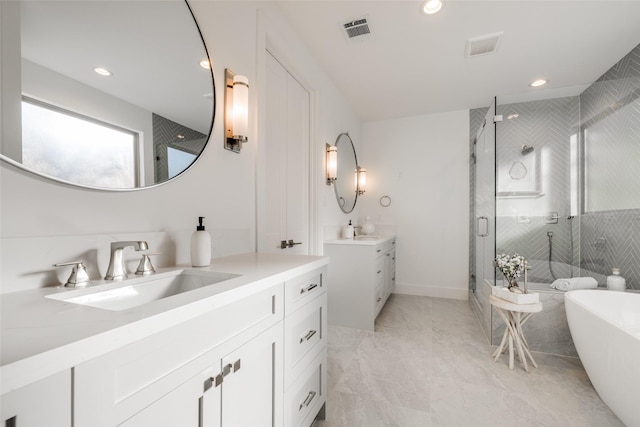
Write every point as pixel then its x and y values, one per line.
pixel 220 186
pixel 422 164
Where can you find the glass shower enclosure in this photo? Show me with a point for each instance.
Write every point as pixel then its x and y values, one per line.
pixel 557 181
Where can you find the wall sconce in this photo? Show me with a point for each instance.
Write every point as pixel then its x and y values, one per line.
pixel 361 180
pixel 332 164
pixel 236 110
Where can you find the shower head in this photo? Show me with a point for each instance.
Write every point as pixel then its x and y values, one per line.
pixel 526 149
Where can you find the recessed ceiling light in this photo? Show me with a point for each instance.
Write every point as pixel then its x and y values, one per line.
pixel 205 64
pixel 538 83
pixel 103 71
pixel 432 6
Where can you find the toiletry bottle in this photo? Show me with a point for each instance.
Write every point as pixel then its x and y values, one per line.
pixel 200 246
pixel 347 231
pixel 615 282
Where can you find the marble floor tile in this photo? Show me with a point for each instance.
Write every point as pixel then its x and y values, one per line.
pixel 429 364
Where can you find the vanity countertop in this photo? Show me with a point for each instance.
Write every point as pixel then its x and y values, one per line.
pixel 362 240
pixel 42 336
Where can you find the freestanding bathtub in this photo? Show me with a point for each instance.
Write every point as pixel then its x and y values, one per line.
pixel 605 326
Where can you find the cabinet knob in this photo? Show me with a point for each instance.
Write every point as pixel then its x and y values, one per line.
pixel 213 381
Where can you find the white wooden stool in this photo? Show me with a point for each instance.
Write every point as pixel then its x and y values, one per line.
pixel 514 316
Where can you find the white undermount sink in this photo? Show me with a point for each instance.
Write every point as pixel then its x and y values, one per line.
pixel 367 237
pixel 122 295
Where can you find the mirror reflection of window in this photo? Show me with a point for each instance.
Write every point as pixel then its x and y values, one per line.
pixel 76 148
pixel 178 161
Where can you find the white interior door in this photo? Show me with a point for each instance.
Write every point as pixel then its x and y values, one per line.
pixel 283 186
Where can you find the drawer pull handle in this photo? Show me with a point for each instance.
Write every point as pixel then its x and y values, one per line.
pixel 308 400
pixel 379 271
pixel 378 250
pixel 309 288
pixel 307 337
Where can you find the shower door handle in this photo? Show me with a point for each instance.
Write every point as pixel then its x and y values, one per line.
pixel 482 226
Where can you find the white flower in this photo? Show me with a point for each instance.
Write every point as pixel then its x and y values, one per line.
pixel 511 266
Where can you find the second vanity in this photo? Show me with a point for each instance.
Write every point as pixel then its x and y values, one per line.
pixel 247 351
pixel 363 273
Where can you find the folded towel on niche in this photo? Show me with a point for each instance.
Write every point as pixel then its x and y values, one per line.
pixel 575 283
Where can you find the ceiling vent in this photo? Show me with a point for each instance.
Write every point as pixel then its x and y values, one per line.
pixel 483 45
pixel 357 29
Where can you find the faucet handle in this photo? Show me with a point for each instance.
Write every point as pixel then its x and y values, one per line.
pixel 145 267
pixel 79 277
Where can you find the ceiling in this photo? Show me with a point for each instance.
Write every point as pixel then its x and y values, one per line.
pixel 414 64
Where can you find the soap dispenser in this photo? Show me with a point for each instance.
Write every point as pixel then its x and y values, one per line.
pixel 615 282
pixel 200 246
pixel 347 231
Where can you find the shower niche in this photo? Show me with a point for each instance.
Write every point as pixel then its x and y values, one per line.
pixel 565 194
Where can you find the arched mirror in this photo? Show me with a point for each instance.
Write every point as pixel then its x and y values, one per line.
pixel 345 183
pixel 112 95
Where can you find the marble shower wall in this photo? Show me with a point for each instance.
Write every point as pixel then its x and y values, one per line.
pixel 534 187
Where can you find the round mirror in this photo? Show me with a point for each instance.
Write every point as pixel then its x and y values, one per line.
pixel 345 183
pixel 114 95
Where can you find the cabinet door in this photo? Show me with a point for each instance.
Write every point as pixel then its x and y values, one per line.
pixel 44 403
pixel 189 405
pixel 252 389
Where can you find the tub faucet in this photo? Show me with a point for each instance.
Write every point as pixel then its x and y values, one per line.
pixel 117 269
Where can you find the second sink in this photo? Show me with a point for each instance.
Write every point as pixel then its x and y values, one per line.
pixel 139 291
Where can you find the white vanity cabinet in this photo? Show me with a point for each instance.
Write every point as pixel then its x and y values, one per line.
pixel 305 349
pixel 247 352
pixel 362 275
pixel 46 402
pixel 221 368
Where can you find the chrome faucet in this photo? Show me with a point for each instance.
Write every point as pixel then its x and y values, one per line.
pixel 117 269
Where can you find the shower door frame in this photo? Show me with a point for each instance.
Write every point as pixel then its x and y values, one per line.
pixel 484 216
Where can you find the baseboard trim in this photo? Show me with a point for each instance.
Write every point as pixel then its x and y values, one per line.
pixel 432 291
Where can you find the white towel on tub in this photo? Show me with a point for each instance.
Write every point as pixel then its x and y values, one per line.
pixel 575 283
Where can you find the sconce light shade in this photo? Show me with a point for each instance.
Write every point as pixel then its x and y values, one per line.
pixel 236 117
pixel 332 163
pixel 361 180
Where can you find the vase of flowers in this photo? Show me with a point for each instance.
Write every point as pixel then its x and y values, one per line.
pixel 511 267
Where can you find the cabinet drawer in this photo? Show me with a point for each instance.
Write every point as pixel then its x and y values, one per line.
pixel 302 289
pixel 307 395
pixel 379 270
pixel 305 336
pixel 382 248
pixel 379 302
pixel 111 388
